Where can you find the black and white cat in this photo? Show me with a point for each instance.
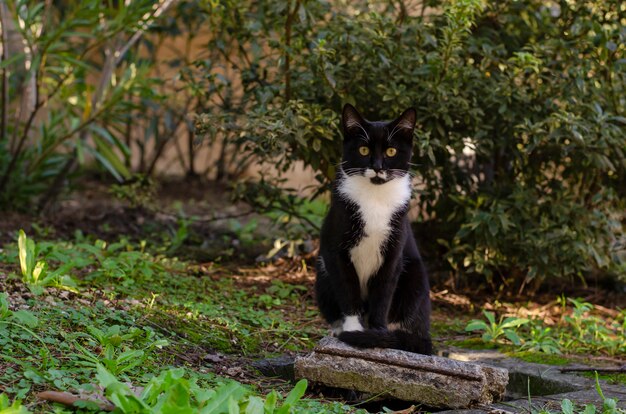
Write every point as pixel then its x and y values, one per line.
pixel 371 283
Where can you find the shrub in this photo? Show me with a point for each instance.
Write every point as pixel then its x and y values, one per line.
pixel 520 141
pixel 66 92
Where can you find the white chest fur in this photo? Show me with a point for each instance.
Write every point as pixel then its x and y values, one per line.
pixel 377 205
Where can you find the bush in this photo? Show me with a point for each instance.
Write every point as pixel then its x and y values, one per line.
pixel 520 144
pixel 67 90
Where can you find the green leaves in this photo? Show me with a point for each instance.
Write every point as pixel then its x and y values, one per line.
pixel 74 97
pixel 579 330
pixel 27 255
pixel 11 408
pixel 35 273
pixel 493 330
pixel 171 392
pixel 609 405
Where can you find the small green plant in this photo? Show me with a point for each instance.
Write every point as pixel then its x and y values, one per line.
pixel 139 191
pixel 122 261
pixel 171 392
pixel 117 352
pixel 493 331
pixel 541 339
pixel 609 405
pixel 23 317
pixel 578 330
pixel 35 272
pixel 6 407
pixel 18 325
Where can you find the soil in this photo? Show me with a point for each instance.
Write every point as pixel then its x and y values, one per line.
pixel 93 210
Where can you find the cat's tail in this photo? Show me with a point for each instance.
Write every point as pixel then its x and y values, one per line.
pixel 396 339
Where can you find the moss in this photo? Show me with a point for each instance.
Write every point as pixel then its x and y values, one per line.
pixel 610 378
pixel 443 328
pixel 540 358
pixel 473 343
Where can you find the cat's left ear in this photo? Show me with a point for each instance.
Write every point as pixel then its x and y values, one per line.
pixel 351 120
pixel 406 122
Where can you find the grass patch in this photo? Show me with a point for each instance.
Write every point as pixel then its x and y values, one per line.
pixel 136 314
pixel 540 357
pixel 581 329
pixel 476 344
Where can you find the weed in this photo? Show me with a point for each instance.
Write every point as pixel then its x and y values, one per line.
pixel 171 391
pixel 541 339
pixel 493 330
pixel 6 407
pixel 133 301
pixel 35 272
pixel 115 354
pixel 19 325
pixel 609 405
pixel 577 331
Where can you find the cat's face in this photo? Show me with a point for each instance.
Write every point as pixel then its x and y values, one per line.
pixel 380 151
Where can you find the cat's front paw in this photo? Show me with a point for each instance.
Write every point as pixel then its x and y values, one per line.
pixel 351 323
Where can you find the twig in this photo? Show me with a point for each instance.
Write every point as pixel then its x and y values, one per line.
pixel 70 399
pixel 158 11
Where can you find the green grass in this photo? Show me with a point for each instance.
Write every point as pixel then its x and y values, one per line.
pixel 134 314
pixel 579 330
pixel 472 343
pixel 126 312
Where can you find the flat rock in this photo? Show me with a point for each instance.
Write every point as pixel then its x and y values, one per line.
pixel 433 381
pixel 281 367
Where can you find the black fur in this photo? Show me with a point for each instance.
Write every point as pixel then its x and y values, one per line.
pixel 399 291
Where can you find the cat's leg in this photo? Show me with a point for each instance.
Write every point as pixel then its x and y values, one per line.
pixel 325 296
pixel 381 289
pixel 348 289
pixel 337 292
pixel 411 303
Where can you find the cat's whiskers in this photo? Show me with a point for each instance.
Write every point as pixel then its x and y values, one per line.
pixel 398 172
pixel 393 132
pixel 352 171
pixel 339 165
pixel 367 137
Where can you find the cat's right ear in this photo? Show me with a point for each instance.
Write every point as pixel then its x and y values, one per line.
pixel 351 120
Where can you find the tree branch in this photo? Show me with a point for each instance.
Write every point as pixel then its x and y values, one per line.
pixel 4 97
pixel 291 15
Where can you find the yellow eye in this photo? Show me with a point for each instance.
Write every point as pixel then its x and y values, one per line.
pixel 391 152
pixel 364 151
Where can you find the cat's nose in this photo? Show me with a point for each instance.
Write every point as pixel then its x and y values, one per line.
pixel 377 166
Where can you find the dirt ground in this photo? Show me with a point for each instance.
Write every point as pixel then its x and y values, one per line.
pixel 93 209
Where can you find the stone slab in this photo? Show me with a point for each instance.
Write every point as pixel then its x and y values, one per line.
pixel 280 367
pixel 548 386
pixel 432 381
